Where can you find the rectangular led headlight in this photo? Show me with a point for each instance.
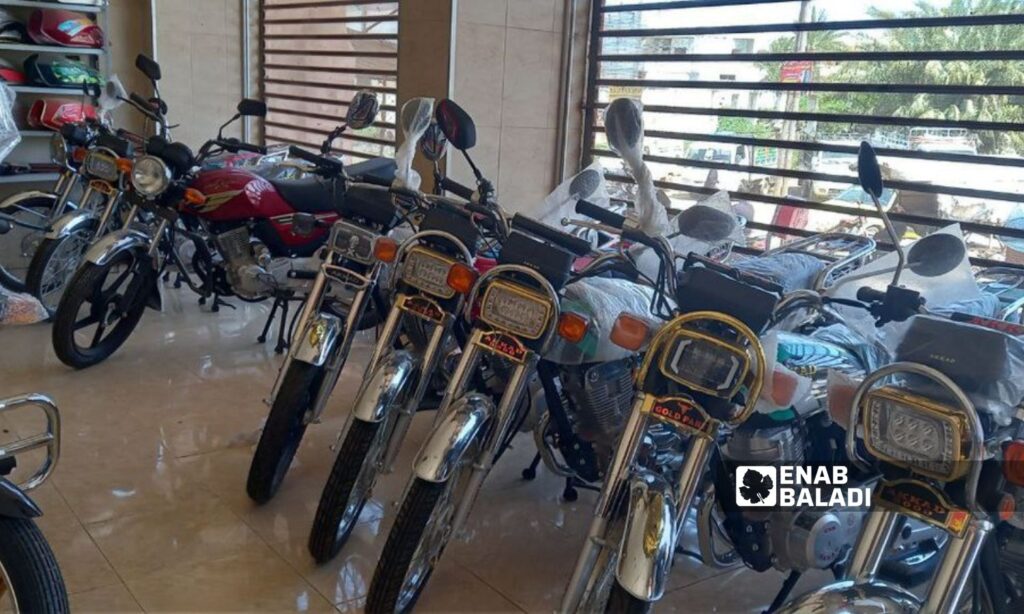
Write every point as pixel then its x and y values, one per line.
pixel 101 166
pixel 704 363
pixel 427 271
pixel 516 310
pixel 914 432
pixel 354 242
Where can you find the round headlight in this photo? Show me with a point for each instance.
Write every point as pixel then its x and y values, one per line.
pixel 58 150
pixel 151 176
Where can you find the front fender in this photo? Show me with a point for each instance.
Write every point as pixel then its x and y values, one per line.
pixel 14 503
pixel 391 375
pixel 851 598
pixel 70 223
pixel 319 337
pixel 649 540
pixel 16 199
pixel 127 239
pixel 451 438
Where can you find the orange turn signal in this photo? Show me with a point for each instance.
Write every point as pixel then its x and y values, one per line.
pixel 125 165
pixel 630 332
pixel 385 249
pixel 194 197
pixel 461 278
pixel 784 386
pixel 1013 462
pixel 79 154
pixel 572 327
pixel 1007 507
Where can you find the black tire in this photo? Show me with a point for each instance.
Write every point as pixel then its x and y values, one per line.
pixel 283 431
pixel 328 534
pixel 14 280
pixel 621 602
pixel 85 287
pixel 31 568
pixel 37 269
pixel 403 541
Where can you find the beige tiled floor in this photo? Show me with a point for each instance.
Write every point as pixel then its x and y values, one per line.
pixel 147 510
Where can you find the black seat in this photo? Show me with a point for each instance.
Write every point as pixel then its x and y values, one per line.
pixel 310 194
pixel 382 169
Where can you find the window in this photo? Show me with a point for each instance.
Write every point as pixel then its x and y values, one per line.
pixel 316 55
pixel 932 84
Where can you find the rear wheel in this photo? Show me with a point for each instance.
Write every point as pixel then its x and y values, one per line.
pixel 19 244
pixel 101 308
pixel 55 263
pixel 30 578
pixel 283 431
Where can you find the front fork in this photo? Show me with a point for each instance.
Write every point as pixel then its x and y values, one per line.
pixel 65 186
pixel 616 488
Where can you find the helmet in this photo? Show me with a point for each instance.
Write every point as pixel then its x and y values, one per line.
pixel 53 113
pixel 11 30
pixel 9 74
pixel 65 28
pixel 61 72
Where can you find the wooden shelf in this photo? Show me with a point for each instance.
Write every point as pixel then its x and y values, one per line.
pixel 50 49
pixel 28 178
pixel 37 4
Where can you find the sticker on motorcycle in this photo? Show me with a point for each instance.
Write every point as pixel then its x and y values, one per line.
pixel 424 308
pixel 682 412
pixel 506 345
pixel 923 502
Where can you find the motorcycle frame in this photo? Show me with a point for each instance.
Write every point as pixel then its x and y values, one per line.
pixel 655 508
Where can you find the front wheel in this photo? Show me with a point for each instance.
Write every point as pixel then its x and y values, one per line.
pixel 55 263
pixel 20 243
pixel 347 489
pixel 101 308
pixel 622 602
pixel 283 431
pixel 30 578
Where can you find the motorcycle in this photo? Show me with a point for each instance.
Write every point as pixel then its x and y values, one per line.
pixel 30 579
pixel 345 297
pixel 941 427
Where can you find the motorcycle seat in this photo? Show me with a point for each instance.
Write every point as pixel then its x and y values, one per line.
pixel 309 194
pixel 381 169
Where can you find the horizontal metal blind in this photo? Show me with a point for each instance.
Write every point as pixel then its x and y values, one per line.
pixel 768 99
pixel 316 55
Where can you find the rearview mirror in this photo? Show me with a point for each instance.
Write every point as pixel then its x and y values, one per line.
pixel 252 108
pixel 706 224
pixel 585 184
pixel 869 172
pixel 434 145
pixel 148 66
pixel 114 89
pixel 624 124
pixel 362 110
pixel 936 255
pixel 456 124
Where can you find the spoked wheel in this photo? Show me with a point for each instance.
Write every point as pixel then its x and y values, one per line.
pixel 55 263
pixel 101 308
pixel 600 593
pixel 30 580
pixel 419 536
pixel 19 244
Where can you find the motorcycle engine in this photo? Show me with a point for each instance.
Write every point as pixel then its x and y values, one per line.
pixel 601 397
pixel 251 269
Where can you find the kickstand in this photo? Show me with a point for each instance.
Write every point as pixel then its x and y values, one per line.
pixel 218 302
pixel 787 588
pixel 531 472
pixel 282 343
pixel 270 321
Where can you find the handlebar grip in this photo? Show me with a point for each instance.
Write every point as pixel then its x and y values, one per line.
pixel 600 214
pixel 457 188
pixel 870 295
pixel 573 244
pixel 243 146
pixel 320 162
pixel 636 236
pixel 142 102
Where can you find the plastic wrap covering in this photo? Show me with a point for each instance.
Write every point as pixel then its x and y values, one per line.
pixel 986 306
pixel 791 271
pixel 987 364
pixel 111 98
pixel 600 300
pixel 588 185
pixel 10 136
pixel 415 119
pixel 624 125
pixel 20 308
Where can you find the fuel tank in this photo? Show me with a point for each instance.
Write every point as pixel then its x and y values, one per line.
pixel 236 194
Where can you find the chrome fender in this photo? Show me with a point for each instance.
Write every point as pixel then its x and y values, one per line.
pixel 69 223
pixel 104 250
pixel 314 344
pixel 851 598
pixel 450 439
pixel 648 542
pixel 16 199
pixel 391 375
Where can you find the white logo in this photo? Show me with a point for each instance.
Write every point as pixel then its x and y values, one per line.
pixel 757 486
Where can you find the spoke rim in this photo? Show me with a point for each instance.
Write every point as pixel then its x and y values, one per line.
pixel 61 268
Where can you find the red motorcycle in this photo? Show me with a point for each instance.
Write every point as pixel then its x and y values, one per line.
pixel 227 232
